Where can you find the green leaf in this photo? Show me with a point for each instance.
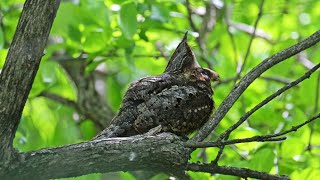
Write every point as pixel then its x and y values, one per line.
pixel 128 19
pixel 160 13
pixel 95 42
pixel 262 160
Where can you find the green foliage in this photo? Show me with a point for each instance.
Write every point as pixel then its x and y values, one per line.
pixel 128 19
pixel 130 39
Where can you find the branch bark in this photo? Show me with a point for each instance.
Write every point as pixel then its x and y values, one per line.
pixel 240 172
pixel 21 66
pixel 99 156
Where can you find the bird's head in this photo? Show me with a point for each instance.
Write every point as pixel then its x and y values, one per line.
pixel 183 61
pixel 202 74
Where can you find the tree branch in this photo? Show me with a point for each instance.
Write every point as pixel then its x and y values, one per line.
pixel 276 79
pixel 233 171
pixel 21 66
pixel 105 155
pixel 248 79
pixel 269 137
pixel 233 141
pixel 294 128
pixel 267 100
pixel 60 99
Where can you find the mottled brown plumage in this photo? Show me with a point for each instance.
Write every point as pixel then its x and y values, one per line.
pixel 180 99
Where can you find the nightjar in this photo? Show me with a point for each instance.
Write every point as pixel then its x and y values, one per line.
pixel 179 100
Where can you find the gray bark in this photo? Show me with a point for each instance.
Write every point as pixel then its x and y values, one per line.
pixel 161 153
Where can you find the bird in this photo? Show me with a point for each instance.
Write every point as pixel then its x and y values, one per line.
pixel 178 101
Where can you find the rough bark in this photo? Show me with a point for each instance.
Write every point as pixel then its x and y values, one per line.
pixel 21 66
pixel 163 152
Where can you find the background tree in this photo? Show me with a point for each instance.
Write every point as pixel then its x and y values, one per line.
pixel 96 48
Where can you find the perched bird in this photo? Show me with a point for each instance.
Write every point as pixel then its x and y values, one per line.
pixel 179 100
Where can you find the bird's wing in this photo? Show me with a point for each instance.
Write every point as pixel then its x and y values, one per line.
pixel 177 105
pixel 180 109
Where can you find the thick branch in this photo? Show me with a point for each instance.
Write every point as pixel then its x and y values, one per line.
pixel 21 66
pixel 106 155
pixel 249 78
pixel 234 171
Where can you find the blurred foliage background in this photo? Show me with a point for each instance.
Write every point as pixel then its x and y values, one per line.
pixel 119 41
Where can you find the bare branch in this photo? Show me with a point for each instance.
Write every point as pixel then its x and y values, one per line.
pixel 60 99
pixel 250 30
pixel 265 138
pixel 276 79
pixel 207 23
pixel 233 171
pixel 105 155
pixel 233 141
pixel 248 79
pixel 267 100
pixel 302 59
pixel 294 128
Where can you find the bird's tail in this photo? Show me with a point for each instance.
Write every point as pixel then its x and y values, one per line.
pixel 109 132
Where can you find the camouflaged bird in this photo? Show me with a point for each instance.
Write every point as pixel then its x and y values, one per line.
pixel 179 100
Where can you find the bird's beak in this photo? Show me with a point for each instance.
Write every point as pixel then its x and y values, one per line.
pixel 213 76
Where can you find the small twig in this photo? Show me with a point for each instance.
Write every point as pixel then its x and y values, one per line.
pixel 215 161
pixel 233 141
pixel 85 56
pixel 160 47
pixel 200 37
pixel 233 171
pixel 250 29
pixel 276 79
pixel 267 78
pixel 60 99
pixel 250 42
pixel 267 100
pixel 224 81
pixel 203 155
pixel 294 128
pixel 265 138
pixel 302 59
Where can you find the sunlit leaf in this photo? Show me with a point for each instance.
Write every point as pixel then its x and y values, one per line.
pixel 127 19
